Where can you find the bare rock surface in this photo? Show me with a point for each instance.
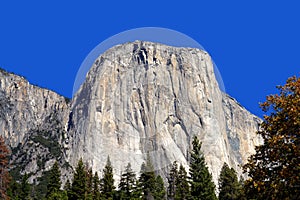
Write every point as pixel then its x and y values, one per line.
pixel 138 98
pixel 33 122
pixel 144 98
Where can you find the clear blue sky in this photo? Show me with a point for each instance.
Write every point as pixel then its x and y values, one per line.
pixel 255 44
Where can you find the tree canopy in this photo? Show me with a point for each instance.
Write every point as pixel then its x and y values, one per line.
pixel 202 186
pixel 229 186
pixel 147 179
pixel 127 183
pixel 54 181
pixel 172 179
pixel 78 188
pixel 274 169
pixel 107 182
pixel 182 191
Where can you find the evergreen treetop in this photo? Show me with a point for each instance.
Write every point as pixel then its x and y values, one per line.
pixel 147 179
pixel 78 188
pixel 54 180
pixel 159 191
pixel 107 182
pixel 127 183
pixel 202 186
pixel 96 187
pixel 25 188
pixel 182 185
pixel 229 186
pixel 172 179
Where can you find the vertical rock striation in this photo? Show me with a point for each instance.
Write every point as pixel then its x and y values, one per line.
pixel 139 98
pixel 144 98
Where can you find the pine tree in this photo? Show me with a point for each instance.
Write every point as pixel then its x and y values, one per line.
pixel 107 182
pixel 172 179
pixel 182 185
pixel 54 180
pixel 68 188
pixel 127 183
pixel 78 188
pixel 25 188
pixel 274 169
pixel 14 190
pixel 96 187
pixel 59 195
pixel 242 188
pixel 147 179
pixel 159 192
pixel 4 175
pixel 137 191
pixel 229 186
pixel 202 186
pixel 89 184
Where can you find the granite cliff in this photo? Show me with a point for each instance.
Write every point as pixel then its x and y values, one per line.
pixel 144 98
pixel 138 98
pixel 33 122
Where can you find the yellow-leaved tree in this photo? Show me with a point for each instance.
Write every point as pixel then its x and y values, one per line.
pixel 274 170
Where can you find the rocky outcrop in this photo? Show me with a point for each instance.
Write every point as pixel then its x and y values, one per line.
pixel 145 98
pixel 25 107
pixel 33 121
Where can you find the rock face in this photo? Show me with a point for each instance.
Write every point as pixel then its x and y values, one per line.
pixel 139 99
pixel 25 107
pixel 145 98
pixel 33 121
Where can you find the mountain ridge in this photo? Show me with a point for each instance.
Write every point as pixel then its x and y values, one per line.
pixel 143 73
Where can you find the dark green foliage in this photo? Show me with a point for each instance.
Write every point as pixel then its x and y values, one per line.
pixel 182 185
pixel 137 191
pixel 107 182
pixel 40 190
pixel 96 187
pixel 59 195
pixel 78 188
pixel 54 181
pixel 15 173
pixel 46 142
pixel 127 183
pixel 242 189
pixel 172 178
pixel 151 186
pixel 202 186
pixel 14 190
pixel 229 186
pixel 147 179
pixel 49 143
pixel 89 184
pixel 159 190
pixel 25 188
pixel 68 187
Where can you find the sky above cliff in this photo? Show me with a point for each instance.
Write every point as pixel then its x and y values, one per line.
pixel 255 45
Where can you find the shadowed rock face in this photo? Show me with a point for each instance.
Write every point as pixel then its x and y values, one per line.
pixel 145 98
